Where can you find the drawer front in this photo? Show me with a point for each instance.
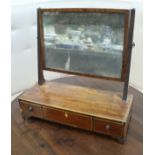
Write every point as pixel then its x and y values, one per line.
pixel 68 118
pixel 108 127
pixel 28 109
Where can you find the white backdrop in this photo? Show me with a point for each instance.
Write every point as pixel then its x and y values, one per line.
pixel 24 39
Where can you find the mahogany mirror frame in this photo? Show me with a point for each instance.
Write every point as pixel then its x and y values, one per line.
pixel 127 44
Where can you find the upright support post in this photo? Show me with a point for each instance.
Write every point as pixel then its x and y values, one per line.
pixel 39 44
pixel 130 45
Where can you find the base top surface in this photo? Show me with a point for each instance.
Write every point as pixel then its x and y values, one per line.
pixel 83 100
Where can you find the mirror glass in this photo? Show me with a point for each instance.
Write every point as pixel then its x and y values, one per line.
pixel 84 42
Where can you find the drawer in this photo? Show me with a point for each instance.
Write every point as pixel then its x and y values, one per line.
pixel 108 127
pixel 68 118
pixel 29 109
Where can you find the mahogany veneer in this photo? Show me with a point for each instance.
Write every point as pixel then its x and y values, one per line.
pixel 86 108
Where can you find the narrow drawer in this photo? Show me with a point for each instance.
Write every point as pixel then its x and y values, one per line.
pixel 108 127
pixel 68 118
pixel 29 109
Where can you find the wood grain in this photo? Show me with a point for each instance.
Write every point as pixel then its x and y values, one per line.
pixel 68 118
pixel 40 46
pixel 31 109
pixel 108 127
pixel 33 137
pixel 88 101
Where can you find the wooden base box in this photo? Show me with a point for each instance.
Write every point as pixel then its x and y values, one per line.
pixel 80 107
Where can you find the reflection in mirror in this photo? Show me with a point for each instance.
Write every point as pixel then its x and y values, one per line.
pixel 84 42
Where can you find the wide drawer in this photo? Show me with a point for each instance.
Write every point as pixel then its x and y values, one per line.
pixel 29 109
pixel 68 118
pixel 108 127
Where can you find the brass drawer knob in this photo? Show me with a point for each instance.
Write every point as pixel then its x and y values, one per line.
pixel 107 127
pixel 30 109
